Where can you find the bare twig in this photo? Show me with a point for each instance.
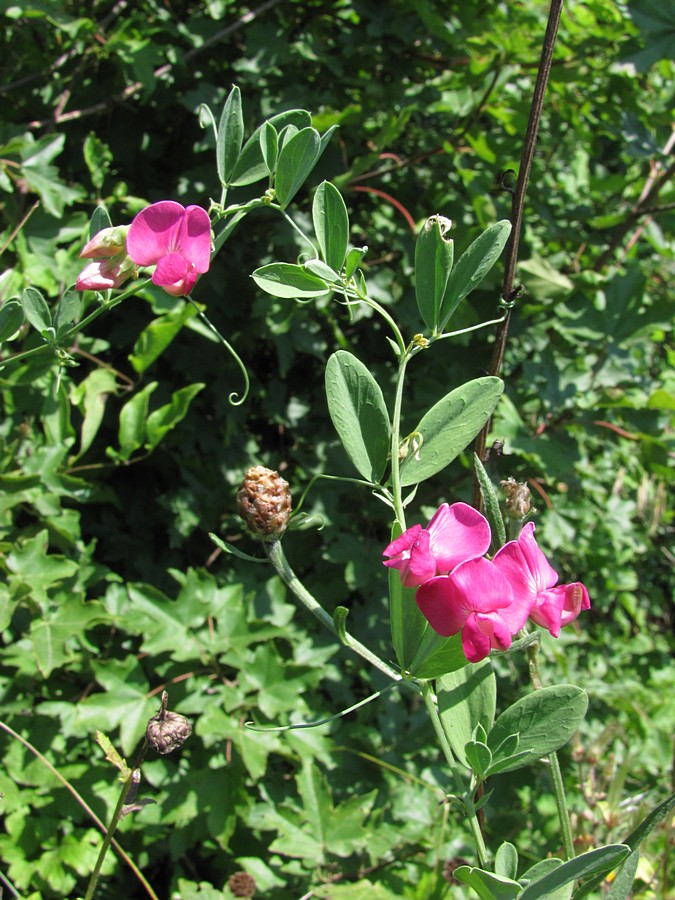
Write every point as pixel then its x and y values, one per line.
pixel 517 206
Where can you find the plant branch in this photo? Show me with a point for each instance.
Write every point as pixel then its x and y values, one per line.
pixel 517 207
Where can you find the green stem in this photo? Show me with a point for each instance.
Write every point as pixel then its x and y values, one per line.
pixel 278 559
pixel 129 782
pixel 458 776
pixel 233 398
pixel 396 442
pixel 556 775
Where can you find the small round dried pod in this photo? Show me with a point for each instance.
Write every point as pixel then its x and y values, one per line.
pixel 242 884
pixel 264 503
pixel 517 498
pixel 167 731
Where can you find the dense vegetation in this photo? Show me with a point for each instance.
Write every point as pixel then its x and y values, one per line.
pixel 113 590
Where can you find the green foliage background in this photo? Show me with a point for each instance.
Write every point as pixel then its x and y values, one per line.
pixel 112 589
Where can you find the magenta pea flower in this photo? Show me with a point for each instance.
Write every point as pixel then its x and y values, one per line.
pixel 111 266
pixel 454 535
pixel 530 575
pixel 175 239
pixel 476 599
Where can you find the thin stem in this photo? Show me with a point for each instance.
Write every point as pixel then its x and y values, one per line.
pixel 85 806
pixel 395 443
pixel 278 559
pixel 130 783
pixel 556 775
pixel 457 774
pixel 234 398
pixel 517 207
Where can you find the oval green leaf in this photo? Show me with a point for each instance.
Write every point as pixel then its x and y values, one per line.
pixel 449 427
pixel 251 165
pixel 230 136
pixel 473 266
pixel 433 264
pixel 331 224
pixel 297 158
pixel 11 318
pixel 289 280
pixel 359 414
pixel 35 309
pixel 545 720
pixel 467 697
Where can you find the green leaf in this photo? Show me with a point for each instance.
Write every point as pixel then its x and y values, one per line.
pixel 269 145
pixel 68 311
pixel 487 885
pixel 30 563
pixel 478 757
pixel 133 421
pixel 297 158
pixel 251 165
pixel 98 157
pixel 99 220
pixel 466 698
pixel 154 339
pixel 433 264
pixel 448 427
pixel 165 418
pixel 288 280
pixel 598 861
pixel 473 266
pixel 545 720
pixel 506 860
pixel 230 136
pixel 91 396
pixel 359 414
pixel 542 868
pixel 331 224
pixel 635 838
pixel 491 506
pixel 11 318
pixel 35 310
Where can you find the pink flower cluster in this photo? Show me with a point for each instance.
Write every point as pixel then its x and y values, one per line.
pixel 174 239
pixel 487 600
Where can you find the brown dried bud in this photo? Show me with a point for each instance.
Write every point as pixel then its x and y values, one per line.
pixel 517 498
pixel 167 731
pixel 264 503
pixel 242 884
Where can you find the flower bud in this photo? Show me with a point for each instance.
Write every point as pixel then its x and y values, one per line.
pixel 517 498
pixel 106 243
pixel 264 503
pixel 167 731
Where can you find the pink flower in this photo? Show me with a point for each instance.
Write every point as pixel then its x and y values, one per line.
pixel 112 266
pixel 102 275
pixel 530 575
pixel 454 535
pixel 174 239
pixel 477 599
pixel 106 243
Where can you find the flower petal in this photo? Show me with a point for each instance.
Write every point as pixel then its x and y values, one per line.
pixel 525 565
pixel 443 605
pixel 195 238
pixel 458 533
pixel 155 232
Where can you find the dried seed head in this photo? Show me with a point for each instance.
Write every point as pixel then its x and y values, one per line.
pixel 167 731
pixel 242 884
pixel 264 503
pixel 517 498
